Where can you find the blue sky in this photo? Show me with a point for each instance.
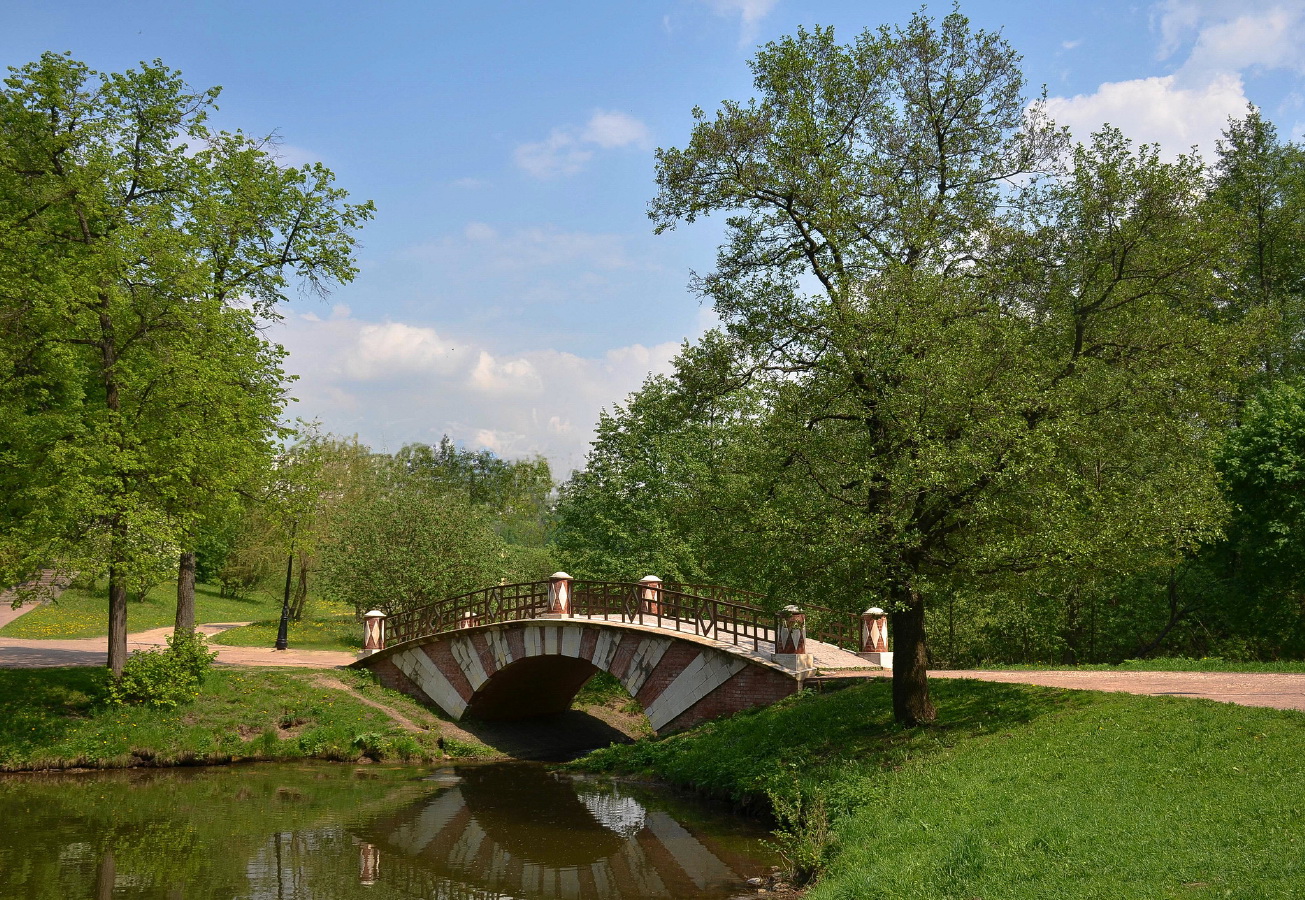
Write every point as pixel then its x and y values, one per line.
pixel 511 286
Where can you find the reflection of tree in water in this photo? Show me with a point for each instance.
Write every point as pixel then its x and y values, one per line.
pixel 517 831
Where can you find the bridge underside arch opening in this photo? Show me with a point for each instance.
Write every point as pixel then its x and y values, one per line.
pixel 531 687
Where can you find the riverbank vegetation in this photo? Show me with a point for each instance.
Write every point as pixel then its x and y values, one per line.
pixel 1015 792
pixel 59 719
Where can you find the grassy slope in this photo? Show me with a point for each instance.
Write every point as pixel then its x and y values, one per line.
pixel 52 718
pixel 1020 792
pixel 85 614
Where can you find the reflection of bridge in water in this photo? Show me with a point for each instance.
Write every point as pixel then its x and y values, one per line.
pixel 507 832
pixel 687 654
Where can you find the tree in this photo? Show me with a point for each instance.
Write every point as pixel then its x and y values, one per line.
pixel 138 253
pixel 1260 189
pixel 979 355
pixel 408 543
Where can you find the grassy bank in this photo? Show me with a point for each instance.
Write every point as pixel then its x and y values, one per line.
pixel 1019 792
pixel 56 718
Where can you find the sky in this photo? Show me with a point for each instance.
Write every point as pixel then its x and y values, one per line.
pixel 510 286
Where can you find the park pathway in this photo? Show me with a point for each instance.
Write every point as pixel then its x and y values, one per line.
pixel 25 653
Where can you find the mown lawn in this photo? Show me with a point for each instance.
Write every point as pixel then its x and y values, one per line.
pixel 85 614
pixel 56 718
pixel 1019 792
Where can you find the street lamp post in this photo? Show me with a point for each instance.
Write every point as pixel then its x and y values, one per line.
pixel 283 630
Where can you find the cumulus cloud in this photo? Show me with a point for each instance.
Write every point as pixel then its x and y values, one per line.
pixel 1215 43
pixel 567 150
pixel 394 383
pixel 1155 110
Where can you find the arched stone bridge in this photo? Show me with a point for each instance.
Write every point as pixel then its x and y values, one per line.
pixel 686 654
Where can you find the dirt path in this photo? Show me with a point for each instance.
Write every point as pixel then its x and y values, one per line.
pixel 397 717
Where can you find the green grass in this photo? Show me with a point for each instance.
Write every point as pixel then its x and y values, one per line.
pixel 56 718
pixel 85 614
pixel 1018 792
pixel 331 632
pixel 1159 664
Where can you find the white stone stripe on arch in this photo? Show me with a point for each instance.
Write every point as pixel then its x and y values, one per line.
pixel 646 657
pixel 708 671
pixel 414 663
pixel 468 659
pixel 605 648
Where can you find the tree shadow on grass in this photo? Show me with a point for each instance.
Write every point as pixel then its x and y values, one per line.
pixel 38 706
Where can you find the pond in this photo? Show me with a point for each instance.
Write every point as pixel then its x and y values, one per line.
pixel 318 831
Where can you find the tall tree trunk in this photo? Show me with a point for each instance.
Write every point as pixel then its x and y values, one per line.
pixel 185 594
pixel 117 620
pixel 911 703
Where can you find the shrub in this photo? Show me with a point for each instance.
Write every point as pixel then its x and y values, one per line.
pixel 163 678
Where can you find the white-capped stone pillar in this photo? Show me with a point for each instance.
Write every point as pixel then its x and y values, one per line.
pixel 559 594
pixel 791 640
pixel 373 632
pixel 650 595
pixel 874 638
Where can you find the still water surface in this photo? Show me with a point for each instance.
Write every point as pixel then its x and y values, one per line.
pixel 318 832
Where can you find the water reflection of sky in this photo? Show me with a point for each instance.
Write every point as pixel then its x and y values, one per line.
pixel 327 832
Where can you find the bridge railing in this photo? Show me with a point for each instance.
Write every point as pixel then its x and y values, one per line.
pixel 719 619
pixel 500 603
pixel 724 614
pixel 830 626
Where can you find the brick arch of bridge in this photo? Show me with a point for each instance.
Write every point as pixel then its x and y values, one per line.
pixel 535 667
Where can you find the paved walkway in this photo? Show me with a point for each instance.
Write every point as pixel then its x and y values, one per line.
pixel 22 653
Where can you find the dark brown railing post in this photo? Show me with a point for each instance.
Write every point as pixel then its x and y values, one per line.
pixel 559 594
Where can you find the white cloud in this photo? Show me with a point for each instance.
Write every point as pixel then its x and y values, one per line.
pixel 561 153
pixel 1155 110
pixel 750 13
pixel 567 150
pixel 1223 40
pixel 610 129
pixel 395 382
pixel 1070 45
pixel 483 248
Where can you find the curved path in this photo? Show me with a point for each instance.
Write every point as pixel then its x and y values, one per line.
pixel 24 653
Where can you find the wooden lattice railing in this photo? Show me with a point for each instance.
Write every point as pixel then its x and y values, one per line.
pixel 723 614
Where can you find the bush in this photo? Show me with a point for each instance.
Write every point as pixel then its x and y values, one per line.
pixel 163 678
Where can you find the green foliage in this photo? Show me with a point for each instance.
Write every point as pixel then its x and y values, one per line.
pixel 413 535
pixel 163 678
pixel 140 252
